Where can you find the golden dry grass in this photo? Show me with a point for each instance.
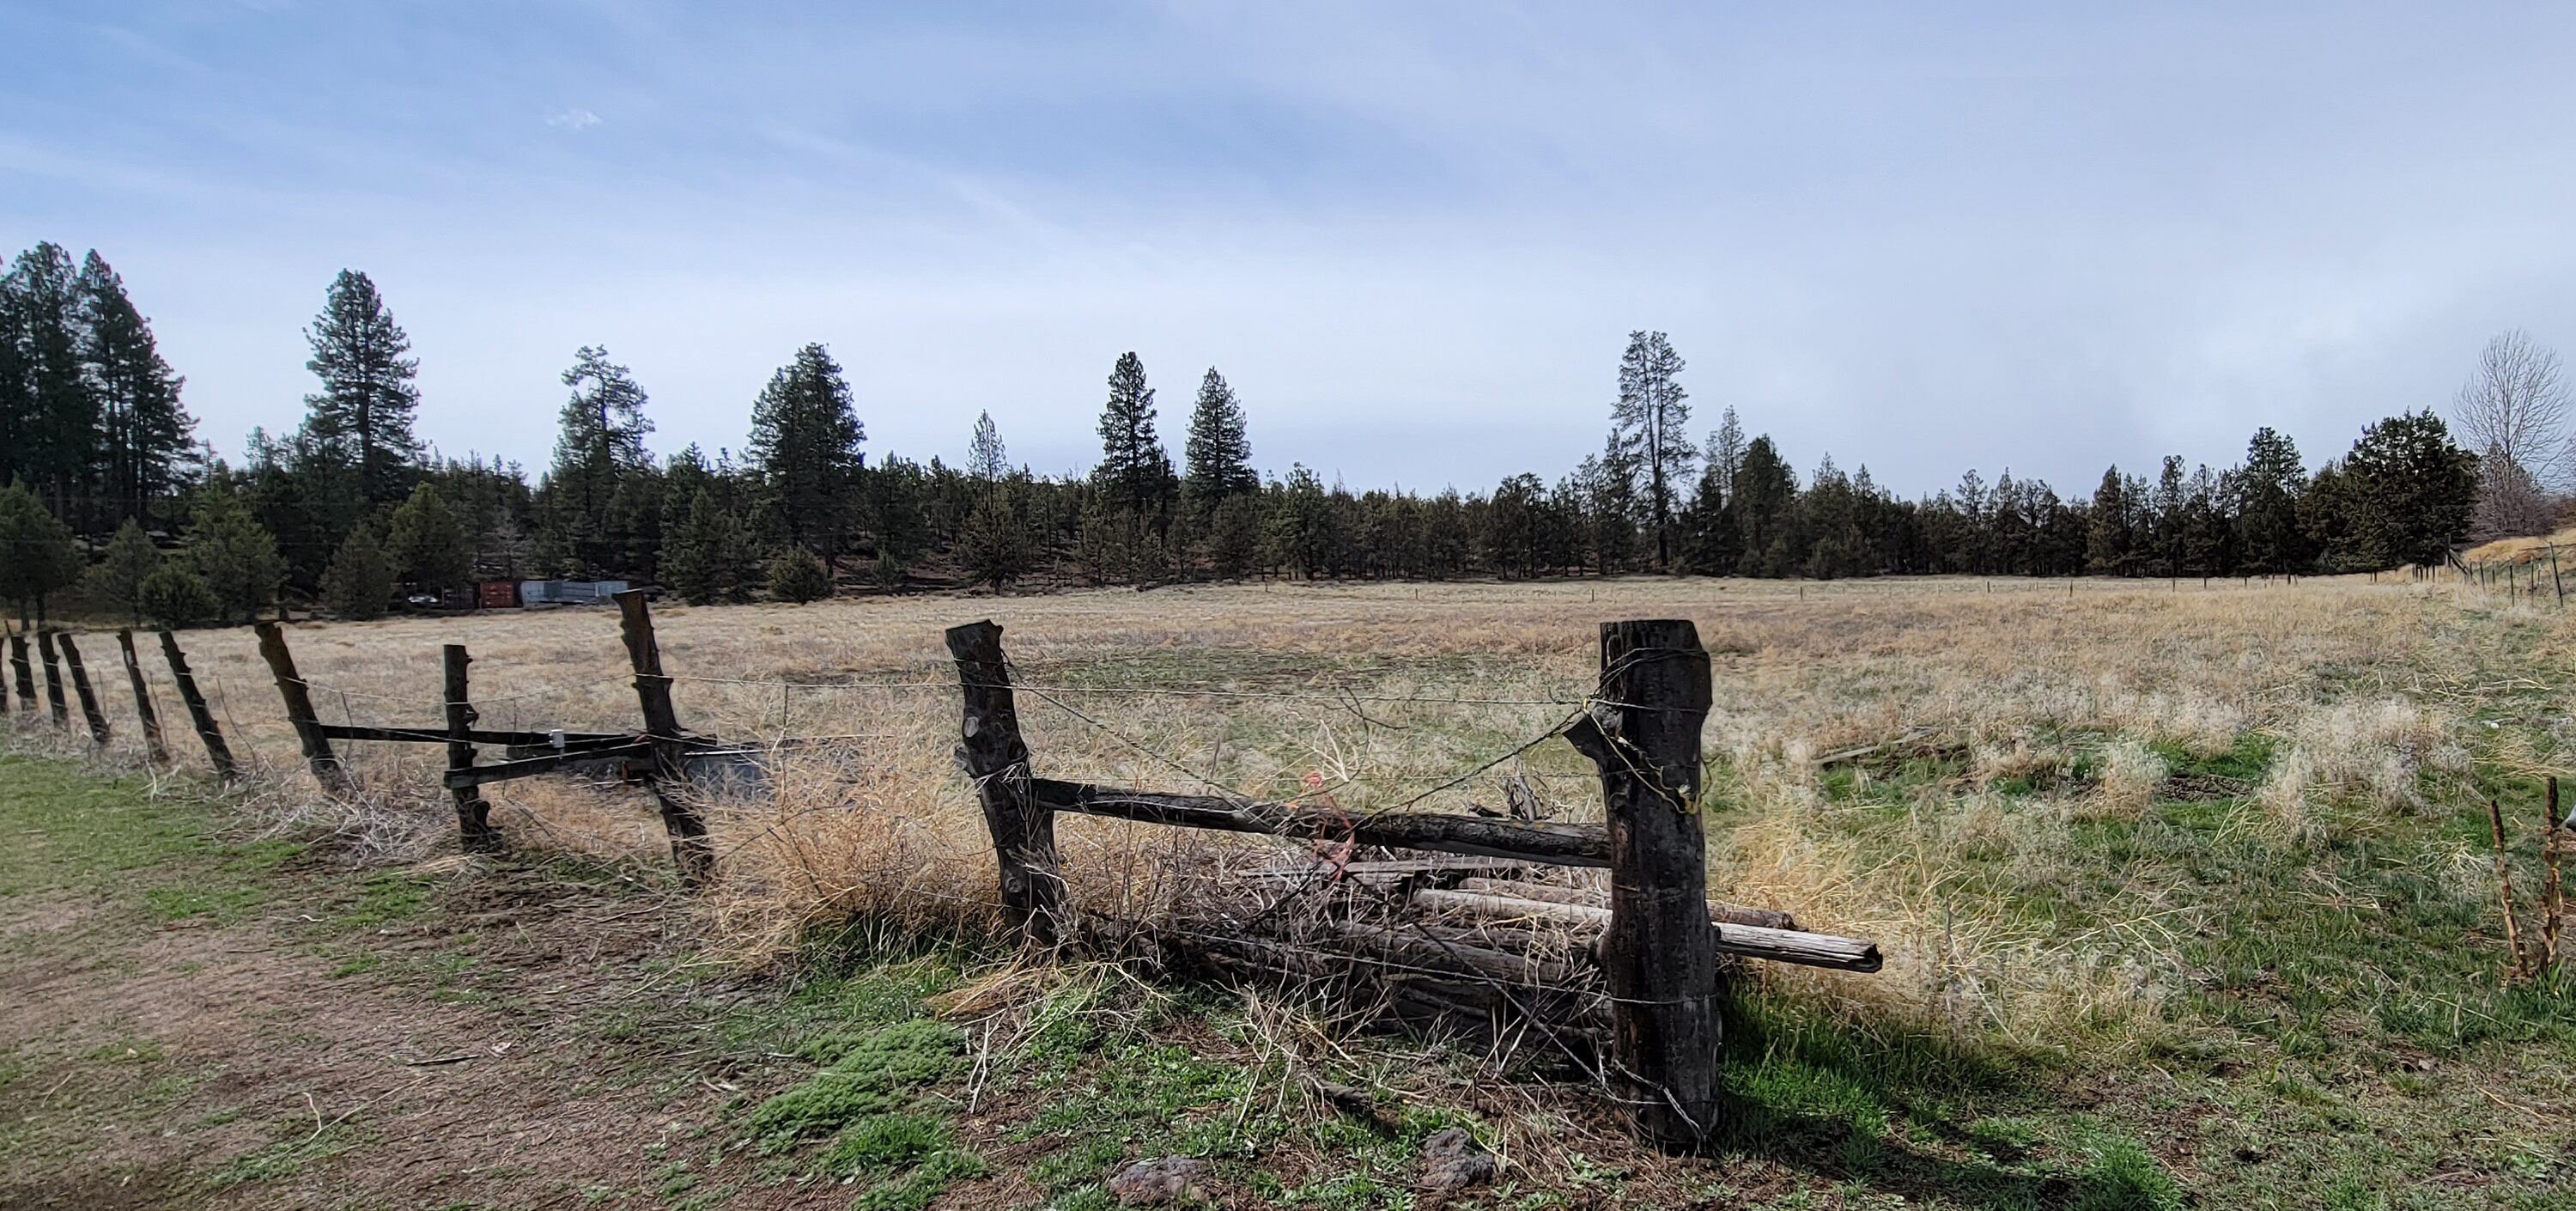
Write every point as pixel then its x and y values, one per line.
pixel 1269 691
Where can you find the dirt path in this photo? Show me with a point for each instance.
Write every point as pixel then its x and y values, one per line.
pixel 193 1023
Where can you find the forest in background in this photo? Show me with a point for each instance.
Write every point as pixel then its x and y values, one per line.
pixel 110 494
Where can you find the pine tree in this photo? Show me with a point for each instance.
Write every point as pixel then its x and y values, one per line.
pixel 427 544
pixel 232 554
pixel 175 596
pixel 2110 548
pixel 1766 492
pixel 360 581
pixel 143 430
pixel 796 576
pixel 1649 425
pixel 708 558
pixel 2271 483
pixel 993 546
pixel 985 458
pixel 599 448
pixel 1218 450
pixel 122 570
pixel 2410 494
pixel 37 557
pixel 1134 471
pixel 58 438
pixel 361 420
pixel 805 438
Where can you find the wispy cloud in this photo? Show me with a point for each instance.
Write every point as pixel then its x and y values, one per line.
pixel 573 119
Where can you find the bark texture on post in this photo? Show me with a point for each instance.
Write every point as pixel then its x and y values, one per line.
pixel 18 665
pixel 473 813
pixel 53 679
pixel 1659 952
pixel 298 697
pixel 142 700
pixel 96 718
pixel 991 752
pixel 199 716
pixel 690 850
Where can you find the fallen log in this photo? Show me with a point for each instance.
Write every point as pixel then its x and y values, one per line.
pixel 1750 941
pixel 1562 844
pixel 1590 897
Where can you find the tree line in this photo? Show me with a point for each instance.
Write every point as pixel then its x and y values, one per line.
pixel 106 490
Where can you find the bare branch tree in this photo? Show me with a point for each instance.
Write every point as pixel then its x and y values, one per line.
pixel 2515 406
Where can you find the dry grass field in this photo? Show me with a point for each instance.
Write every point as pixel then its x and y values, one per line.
pixel 2191 881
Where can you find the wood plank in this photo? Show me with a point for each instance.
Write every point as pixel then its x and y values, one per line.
pixel 1560 844
pixel 1751 941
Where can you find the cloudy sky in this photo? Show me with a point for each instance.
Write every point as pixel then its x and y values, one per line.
pixel 1414 236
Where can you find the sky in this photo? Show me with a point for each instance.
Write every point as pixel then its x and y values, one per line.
pixel 1414 236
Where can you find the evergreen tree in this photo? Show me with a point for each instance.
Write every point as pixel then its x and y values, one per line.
pixel 361 420
pixel 175 596
pixel 708 558
pixel 1134 469
pixel 360 581
pixel 232 554
pixel 39 556
pixel 2111 545
pixel 2271 483
pixel 427 543
pixel 1648 425
pixel 985 458
pixel 805 437
pixel 2408 491
pixel 57 433
pixel 143 431
pixel 796 576
pixel 993 547
pixel 1218 451
pixel 599 448
pixel 129 561
pixel 1766 491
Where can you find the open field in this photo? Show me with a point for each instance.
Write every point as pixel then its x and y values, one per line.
pixel 2185 890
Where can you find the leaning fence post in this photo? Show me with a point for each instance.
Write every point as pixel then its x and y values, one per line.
pixel 473 812
pixel 53 679
pixel 689 847
pixel 298 697
pixel 143 711
pixel 18 665
pixel 96 718
pixel 991 752
pixel 199 716
pixel 1659 953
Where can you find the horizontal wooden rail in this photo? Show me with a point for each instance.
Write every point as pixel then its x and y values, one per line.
pixel 530 767
pixel 434 735
pixel 1562 844
pixel 1750 941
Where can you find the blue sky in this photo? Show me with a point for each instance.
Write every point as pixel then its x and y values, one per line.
pixel 1414 236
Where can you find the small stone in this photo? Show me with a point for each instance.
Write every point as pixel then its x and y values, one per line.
pixel 1168 1179
pixel 1453 1160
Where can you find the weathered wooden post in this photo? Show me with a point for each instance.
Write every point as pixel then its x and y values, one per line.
pixel 53 679
pixel 96 718
pixel 473 812
pixel 298 697
pixel 142 700
pixel 991 752
pixel 199 716
pixel 690 849
pixel 1659 953
pixel 18 665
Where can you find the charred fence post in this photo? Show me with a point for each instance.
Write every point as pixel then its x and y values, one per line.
pixel 96 718
pixel 298 697
pixel 690 849
pixel 473 813
pixel 991 752
pixel 1659 953
pixel 26 677
pixel 199 716
pixel 53 679
pixel 142 700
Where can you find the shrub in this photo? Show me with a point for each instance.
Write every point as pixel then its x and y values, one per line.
pixel 175 596
pixel 795 575
pixel 360 580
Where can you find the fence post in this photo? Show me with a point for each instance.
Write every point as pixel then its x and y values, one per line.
pixel 96 718
pixel 690 850
pixel 298 697
pixel 473 812
pixel 53 679
pixel 990 751
pixel 198 715
pixel 142 700
pixel 18 665
pixel 1659 953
